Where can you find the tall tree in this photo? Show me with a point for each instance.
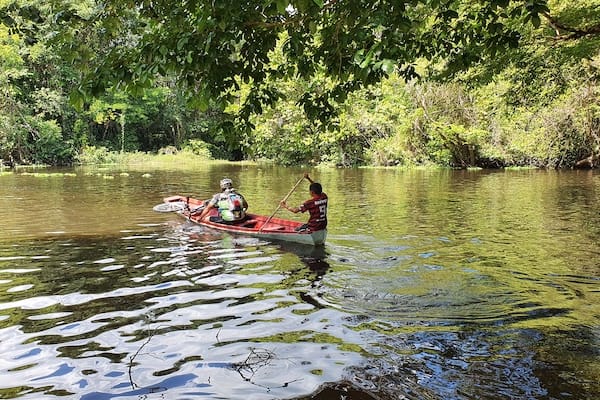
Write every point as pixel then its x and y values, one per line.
pixel 212 45
pixel 33 83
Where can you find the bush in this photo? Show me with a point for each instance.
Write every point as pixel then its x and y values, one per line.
pixel 50 148
pixel 198 147
pixel 96 155
pixel 455 145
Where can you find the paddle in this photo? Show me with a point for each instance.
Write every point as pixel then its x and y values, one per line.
pixel 279 205
pixel 177 206
pixel 169 207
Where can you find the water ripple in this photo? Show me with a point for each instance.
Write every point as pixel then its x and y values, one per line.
pixel 164 309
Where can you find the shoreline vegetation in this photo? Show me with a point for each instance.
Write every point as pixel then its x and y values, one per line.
pixel 524 92
pixel 186 159
pixel 393 124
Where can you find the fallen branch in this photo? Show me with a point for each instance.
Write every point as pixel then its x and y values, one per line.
pixel 257 359
pixel 132 358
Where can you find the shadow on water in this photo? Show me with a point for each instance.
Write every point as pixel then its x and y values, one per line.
pixel 182 311
pixel 313 257
pixel 315 266
pixel 340 391
pixel 474 286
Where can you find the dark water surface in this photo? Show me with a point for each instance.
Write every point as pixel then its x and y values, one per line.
pixel 432 285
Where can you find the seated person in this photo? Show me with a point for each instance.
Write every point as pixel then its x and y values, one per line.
pixel 232 205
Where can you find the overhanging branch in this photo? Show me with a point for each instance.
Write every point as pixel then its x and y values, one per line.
pixel 565 32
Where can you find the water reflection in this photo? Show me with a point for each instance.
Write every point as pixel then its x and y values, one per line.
pixel 443 286
pixel 314 258
pixel 186 312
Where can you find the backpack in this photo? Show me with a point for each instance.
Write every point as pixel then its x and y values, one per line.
pixel 231 206
pixel 235 202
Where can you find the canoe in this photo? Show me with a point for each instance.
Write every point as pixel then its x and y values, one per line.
pixel 253 225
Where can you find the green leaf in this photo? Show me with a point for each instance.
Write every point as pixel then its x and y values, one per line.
pixel 359 56
pixel 388 66
pixel 77 99
pixel 200 102
pixel 368 58
pixel 182 42
pixel 281 6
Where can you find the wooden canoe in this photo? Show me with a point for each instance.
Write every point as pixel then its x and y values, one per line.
pixel 252 225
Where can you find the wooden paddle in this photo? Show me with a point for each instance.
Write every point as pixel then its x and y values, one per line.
pixel 279 205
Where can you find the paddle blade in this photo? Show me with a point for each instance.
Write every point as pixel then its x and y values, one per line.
pixel 170 207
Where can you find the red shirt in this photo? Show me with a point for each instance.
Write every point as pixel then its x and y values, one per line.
pixel 317 207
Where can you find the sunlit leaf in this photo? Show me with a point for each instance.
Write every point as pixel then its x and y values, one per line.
pixel 388 66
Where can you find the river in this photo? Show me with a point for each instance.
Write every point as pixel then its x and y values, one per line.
pixel 432 285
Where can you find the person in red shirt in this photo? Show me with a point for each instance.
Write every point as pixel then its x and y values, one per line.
pixel 316 207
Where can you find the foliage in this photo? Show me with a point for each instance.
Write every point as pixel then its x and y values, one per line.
pixel 198 148
pixel 455 145
pixel 392 150
pixel 91 155
pixel 49 147
pixel 12 66
pixel 562 135
pixel 355 43
pixel 97 155
pixel 305 81
pixel 283 135
pixel 10 60
pixel 31 89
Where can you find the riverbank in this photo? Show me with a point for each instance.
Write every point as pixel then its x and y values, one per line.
pixel 102 158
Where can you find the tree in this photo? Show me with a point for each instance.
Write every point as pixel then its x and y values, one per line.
pixel 237 58
pixel 212 46
pixel 32 89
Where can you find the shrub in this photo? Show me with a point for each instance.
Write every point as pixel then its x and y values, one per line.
pixel 50 148
pixel 198 147
pixel 96 155
pixel 455 145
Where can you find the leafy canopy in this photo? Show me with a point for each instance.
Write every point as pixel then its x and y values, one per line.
pixel 213 46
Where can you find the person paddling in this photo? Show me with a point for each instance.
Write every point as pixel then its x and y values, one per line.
pixel 316 206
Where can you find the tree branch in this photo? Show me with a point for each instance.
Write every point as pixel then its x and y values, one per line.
pixel 572 33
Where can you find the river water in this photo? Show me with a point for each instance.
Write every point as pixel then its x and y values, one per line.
pixel 432 285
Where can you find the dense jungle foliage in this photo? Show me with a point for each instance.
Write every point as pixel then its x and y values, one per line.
pixel 453 83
